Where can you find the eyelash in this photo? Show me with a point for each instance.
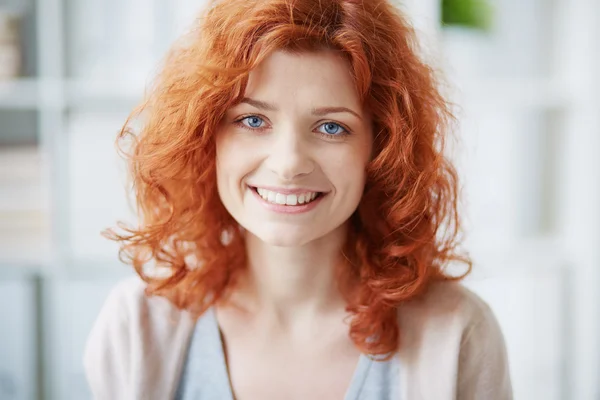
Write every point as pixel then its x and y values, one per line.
pixel 346 131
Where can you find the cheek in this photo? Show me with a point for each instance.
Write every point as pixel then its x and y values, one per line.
pixel 221 163
pixel 345 169
pixel 350 160
pixel 227 167
pixel 237 157
pixel 231 156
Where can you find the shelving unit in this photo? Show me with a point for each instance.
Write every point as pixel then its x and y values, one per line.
pixel 530 135
pixel 21 94
pixel 531 131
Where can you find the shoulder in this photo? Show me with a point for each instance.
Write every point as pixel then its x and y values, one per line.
pixel 129 308
pixel 135 334
pixel 445 305
pixel 452 334
pixel 451 299
pixel 128 301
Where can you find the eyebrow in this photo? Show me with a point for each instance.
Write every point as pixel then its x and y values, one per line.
pixel 315 111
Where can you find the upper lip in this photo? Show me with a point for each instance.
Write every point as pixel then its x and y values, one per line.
pixel 287 190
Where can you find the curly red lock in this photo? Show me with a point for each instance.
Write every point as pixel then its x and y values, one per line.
pixel 406 229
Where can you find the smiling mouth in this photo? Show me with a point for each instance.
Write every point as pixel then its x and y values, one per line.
pixel 296 199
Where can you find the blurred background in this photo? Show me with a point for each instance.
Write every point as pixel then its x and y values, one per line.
pixel 523 76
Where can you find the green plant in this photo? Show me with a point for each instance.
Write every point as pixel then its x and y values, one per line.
pixel 468 13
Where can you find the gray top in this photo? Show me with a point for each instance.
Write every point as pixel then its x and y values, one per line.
pixel 205 375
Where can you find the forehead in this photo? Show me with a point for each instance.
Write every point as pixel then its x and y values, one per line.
pixel 320 78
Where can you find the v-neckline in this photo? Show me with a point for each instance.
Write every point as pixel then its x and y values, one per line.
pixel 223 366
pixel 352 392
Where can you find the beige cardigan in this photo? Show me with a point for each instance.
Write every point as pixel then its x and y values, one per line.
pixel 451 347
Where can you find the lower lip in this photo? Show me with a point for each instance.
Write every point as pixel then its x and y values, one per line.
pixel 282 208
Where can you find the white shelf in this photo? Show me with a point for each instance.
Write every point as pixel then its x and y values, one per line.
pixel 31 94
pixel 100 94
pixel 18 346
pixel 513 94
pixel 19 94
pixel 24 249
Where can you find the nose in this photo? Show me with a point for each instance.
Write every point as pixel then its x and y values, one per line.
pixel 289 155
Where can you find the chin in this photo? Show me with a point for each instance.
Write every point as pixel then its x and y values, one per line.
pixel 283 239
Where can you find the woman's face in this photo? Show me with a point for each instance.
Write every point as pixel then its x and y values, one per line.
pixel 291 156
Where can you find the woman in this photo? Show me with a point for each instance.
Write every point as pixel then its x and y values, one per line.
pixel 299 214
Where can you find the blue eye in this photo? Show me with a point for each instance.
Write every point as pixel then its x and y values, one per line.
pixel 253 121
pixel 328 130
pixel 333 129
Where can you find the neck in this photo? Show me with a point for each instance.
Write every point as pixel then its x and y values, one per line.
pixel 293 283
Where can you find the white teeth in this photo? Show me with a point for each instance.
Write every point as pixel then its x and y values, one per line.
pixel 280 198
pixel 291 200
pixel 283 199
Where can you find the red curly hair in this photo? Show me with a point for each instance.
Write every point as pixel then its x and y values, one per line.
pixel 406 228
